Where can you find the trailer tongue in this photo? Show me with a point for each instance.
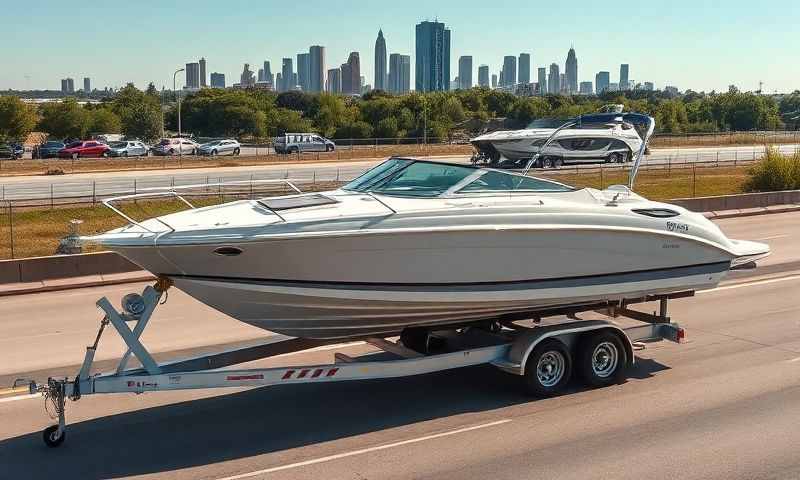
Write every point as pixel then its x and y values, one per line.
pixel 543 355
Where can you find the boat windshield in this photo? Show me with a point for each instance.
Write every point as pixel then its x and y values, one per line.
pixel 414 178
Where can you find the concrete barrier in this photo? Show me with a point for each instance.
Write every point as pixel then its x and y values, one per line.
pixel 739 202
pixel 38 269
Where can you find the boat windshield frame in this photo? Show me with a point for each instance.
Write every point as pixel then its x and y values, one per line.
pixel 374 179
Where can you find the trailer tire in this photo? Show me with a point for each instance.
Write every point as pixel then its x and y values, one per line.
pixel 601 359
pixel 51 437
pixel 548 368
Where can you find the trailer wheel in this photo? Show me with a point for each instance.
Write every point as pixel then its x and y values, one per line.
pixel 548 368
pixel 602 359
pixel 51 437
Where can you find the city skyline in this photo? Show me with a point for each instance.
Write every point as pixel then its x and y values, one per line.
pixel 689 58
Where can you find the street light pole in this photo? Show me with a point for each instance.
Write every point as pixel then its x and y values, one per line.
pixel 174 89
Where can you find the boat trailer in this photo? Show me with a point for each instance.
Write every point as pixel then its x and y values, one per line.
pixel 543 355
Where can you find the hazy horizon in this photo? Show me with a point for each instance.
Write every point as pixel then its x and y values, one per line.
pixel 690 45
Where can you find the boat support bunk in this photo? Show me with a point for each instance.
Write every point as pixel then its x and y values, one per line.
pixel 544 354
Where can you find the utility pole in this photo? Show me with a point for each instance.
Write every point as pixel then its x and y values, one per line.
pixel 174 89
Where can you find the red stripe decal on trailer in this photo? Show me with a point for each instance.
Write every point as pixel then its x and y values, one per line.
pixel 245 377
pixel 316 373
pixel 288 374
pixel 332 372
pixel 303 373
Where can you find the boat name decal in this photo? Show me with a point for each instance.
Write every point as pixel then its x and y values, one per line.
pixel 677 227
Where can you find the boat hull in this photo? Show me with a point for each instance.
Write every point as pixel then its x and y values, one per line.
pixel 343 310
pixel 379 280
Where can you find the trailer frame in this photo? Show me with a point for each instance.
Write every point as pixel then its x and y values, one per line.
pixel 500 342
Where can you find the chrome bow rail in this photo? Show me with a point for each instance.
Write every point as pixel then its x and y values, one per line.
pixel 172 192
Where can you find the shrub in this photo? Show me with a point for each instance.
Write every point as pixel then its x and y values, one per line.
pixel 774 172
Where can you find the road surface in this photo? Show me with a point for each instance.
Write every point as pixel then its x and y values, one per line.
pixel 116 183
pixel 724 405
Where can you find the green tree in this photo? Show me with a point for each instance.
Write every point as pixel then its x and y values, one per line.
pixel 142 121
pixel 64 119
pixel 387 128
pixel 17 119
pixel 103 120
pixel 525 110
pixel 357 129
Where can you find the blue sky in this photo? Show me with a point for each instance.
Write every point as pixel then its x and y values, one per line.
pixel 697 44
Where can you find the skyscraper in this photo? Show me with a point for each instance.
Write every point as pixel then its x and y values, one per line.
pixel 303 67
pixel 67 85
pixel 524 68
pixel 509 70
pixel 260 77
pixel 623 77
pixel 494 80
pixel 192 75
pixel 601 81
pixel 217 80
pixel 317 68
pixel 247 79
pixel 351 75
pixel 334 83
pixel 399 73
pixel 380 63
pixel 572 72
pixel 405 74
pixel 287 74
pixel 268 74
pixel 585 88
pixel 87 85
pixel 483 76
pixel 433 57
pixel 554 80
pixel 202 63
pixel 542 80
pixel 393 83
pixel 465 72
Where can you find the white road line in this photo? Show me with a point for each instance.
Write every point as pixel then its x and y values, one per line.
pixel 794 360
pixel 27 396
pixel 773 237
pixel 751 284
pixel 363 451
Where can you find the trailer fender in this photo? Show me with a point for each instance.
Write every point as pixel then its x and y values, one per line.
pixel 523 345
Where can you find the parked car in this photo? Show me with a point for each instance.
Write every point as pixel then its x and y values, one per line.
pixel 303 142
pixel 175 146
pixel 220 147
pixel 88 148
pixel 7 151
pixel 48 149
pixel 19 150
pixel 130 148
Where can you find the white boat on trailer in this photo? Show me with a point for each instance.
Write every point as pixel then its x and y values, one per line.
pixel 474 237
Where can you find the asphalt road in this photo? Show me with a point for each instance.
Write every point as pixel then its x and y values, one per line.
pixel 106 184
pixel 724 405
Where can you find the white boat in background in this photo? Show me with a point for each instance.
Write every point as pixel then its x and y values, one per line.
pixel 424 243
pixel 602 137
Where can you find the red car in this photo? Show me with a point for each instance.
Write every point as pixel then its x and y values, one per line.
pixel 89 148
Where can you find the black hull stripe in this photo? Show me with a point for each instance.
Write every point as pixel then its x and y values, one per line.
pixel 564 282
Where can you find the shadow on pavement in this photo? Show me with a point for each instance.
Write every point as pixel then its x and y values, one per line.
pixel 258 421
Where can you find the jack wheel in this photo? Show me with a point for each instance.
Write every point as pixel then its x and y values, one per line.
pixel 51 437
